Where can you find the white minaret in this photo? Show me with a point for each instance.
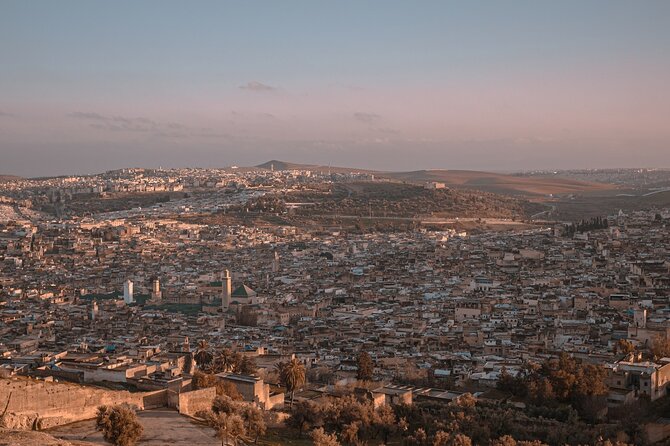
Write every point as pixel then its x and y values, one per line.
pixel 94 311
pixel 128 291
pixel 275 262
pixel 227 290
pixel 156 290
pixel 640 318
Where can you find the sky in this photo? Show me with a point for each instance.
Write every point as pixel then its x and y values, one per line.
pixel 89 85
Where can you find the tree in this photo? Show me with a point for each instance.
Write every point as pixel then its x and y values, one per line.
pixel 305 414
pixel 660 347
pixel 224 404
pixel 460 440
pixel 226 360
pixel 624 346
pixel 321 438
pixel 419 438
pixel 254 421
pixel 511 384
pixel 385 421
pixel 119 425
pixel 541 390
pixel 203 357
pixel 247 366
pixel 292 376
pixel 365 367
pixel 466 401
pixel 228 426
pixel 227 388
pixel 350 433
pixel 505 440
pixel 204 380
pixel 441 438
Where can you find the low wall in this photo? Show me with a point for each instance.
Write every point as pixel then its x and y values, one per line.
pixel 35 405
pixel 193 402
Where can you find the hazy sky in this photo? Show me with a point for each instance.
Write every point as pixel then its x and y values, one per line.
pixel 87 86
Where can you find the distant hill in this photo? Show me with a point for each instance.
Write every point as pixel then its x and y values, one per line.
pixel 498 183
pixel 284 165
pixel 465 179
pixel 8 178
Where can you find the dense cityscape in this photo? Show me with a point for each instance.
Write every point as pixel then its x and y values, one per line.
pixel 187 288
pixel 334 223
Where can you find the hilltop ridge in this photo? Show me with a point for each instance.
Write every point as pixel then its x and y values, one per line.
pixel 285 165
pixel 8 178
pixel 464 179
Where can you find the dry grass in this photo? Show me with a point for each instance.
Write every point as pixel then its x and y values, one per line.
pixel 499 183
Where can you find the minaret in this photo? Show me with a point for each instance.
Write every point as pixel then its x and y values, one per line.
pixel 94 311
pixel 275 262
pixel 128 291
pixel 156 290
pixel 227 290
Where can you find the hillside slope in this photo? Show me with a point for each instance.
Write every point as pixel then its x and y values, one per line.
pixel 498 183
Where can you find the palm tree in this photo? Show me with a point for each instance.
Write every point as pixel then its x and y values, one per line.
pixel 292 375
pixel 224 360
pixel 203 356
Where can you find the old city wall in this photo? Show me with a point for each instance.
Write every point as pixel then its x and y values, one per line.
pixel 29 404
pixel 193 402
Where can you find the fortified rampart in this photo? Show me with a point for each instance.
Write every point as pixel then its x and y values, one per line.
pixel 30 404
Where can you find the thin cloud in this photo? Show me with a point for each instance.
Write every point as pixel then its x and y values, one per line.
pixel 117 123
pixel 257 86
pixel 143 125
pixel 387 130
pixel 366 117
pixel 87 115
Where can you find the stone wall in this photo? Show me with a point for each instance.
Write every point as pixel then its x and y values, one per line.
pixel 193 402
pixel 31 404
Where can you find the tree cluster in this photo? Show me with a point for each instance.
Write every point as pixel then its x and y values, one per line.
pixel 202 380
pixel 234 421
pixel 586 225
pixel 355 419
pixel 224 360
pixel 493 423
pixel 560 381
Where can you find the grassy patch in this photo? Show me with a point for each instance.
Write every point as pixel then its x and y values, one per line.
pixel 189 309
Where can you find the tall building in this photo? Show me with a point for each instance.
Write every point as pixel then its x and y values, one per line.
pixel 128 291
pixel 227 285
